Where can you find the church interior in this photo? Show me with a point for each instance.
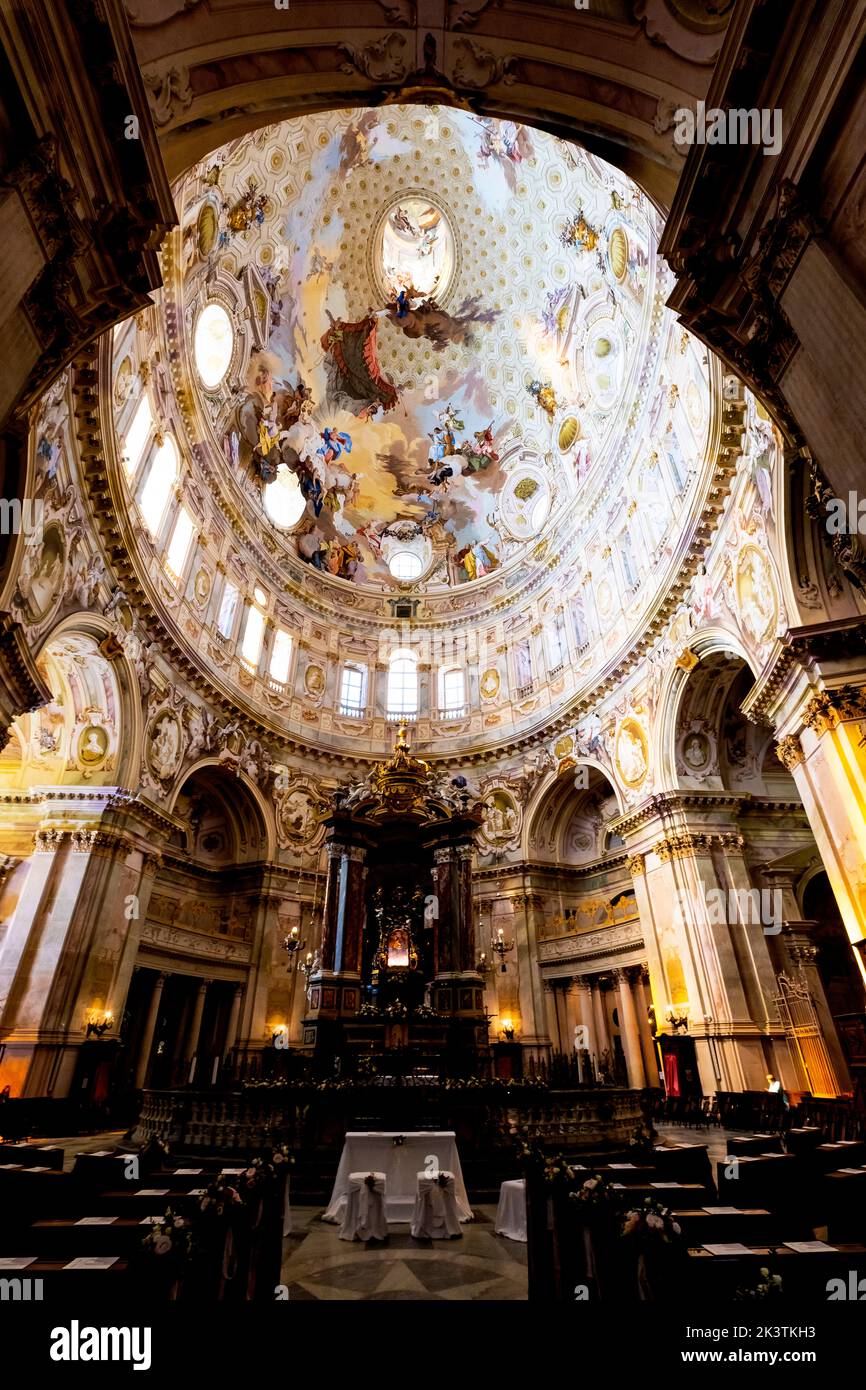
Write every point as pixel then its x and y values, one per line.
pixel 433 651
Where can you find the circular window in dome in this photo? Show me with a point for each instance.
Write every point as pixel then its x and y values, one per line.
pixel 214 341
pixel 283 500
pixel 415 251
pixel 405 565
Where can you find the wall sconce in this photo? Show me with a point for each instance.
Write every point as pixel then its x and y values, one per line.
pixel 508 1027
pixel 306 966
pixel 98 1026
pixel 292 943
pixel 483 966
pixel 678 1017
pixel 501 947
pixel 280 1036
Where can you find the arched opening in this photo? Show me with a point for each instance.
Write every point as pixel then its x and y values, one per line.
pixel 199 937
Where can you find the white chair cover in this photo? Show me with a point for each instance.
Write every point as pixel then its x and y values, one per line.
pixel 364 1218
pixel 511 1212
pixel 435 1216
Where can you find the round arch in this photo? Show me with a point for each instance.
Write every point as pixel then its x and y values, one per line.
pixel 614 86
pixel 555 803
pixel 96 627
pixel 221 782
pixel 707 641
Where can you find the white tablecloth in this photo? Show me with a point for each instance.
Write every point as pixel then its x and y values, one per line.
pixel 401 1164
pixel 511 1212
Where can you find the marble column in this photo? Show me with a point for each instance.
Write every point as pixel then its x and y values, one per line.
pixel 602 1041
pixel 190 1053
pixel 234 1019
pixel 146 1043
pixel 640 981
pixel 629 1032
pixel 534 1034
pixel 583 1001
pixel 821 745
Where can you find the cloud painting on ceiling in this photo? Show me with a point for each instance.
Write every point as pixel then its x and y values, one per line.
pixel 450 331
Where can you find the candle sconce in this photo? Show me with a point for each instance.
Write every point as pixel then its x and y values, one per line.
pixel 501 947
pixel 292 943
pixel 483 965
pixel 678 1017
pixel 98 1027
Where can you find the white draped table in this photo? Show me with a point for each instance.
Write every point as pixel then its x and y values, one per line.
pixel 376 1152
pixel 511 1213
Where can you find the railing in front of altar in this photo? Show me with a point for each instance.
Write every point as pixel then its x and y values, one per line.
pixel 310 1116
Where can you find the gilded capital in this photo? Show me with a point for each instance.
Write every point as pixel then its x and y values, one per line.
pixel 790 751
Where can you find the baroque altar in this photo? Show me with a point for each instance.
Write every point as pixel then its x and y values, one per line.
pixel 397 972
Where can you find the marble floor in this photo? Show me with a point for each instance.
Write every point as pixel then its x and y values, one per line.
pixel 480 1265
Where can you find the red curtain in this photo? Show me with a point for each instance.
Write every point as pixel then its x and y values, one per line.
pixel 672 1074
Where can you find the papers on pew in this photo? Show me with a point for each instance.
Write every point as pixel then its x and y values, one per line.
pixel 96 1221
pixel 187 1172
pixel 808 1247
pixel 858 1171
pixel 17 1261
pixel 667 1184
pixel 722 1211
pixel 622 1165
pixel 102 1153
pixel 151 1192
pixel 93 1262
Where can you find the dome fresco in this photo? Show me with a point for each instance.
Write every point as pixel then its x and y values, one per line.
pixel 449 332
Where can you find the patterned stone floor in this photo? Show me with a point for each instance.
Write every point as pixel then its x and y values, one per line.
pixel 479 1266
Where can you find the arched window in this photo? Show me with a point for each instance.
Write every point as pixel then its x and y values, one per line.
pixel 254 631
pixel 137 436
pixel 452 690
pixel 403 683
pixel 157 490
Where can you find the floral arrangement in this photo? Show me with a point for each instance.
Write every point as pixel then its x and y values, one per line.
pixel 443 1178
pixel 369 1011
pixel 594 1194
pixel 282 1157
pixel 171 1235
pixel 769 1286
pixel 651 1221
pixel 370 1181
pixel 219 1198
pixel 396 1011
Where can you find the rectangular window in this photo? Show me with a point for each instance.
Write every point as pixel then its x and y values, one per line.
pixel 178 546
pixel 137 436
pixel 523 665
pixel 253 633
pixel 556 643
pixel 452 690
pixel 228 608
pixel 281 655
pixel 352 684
pixel 403 685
